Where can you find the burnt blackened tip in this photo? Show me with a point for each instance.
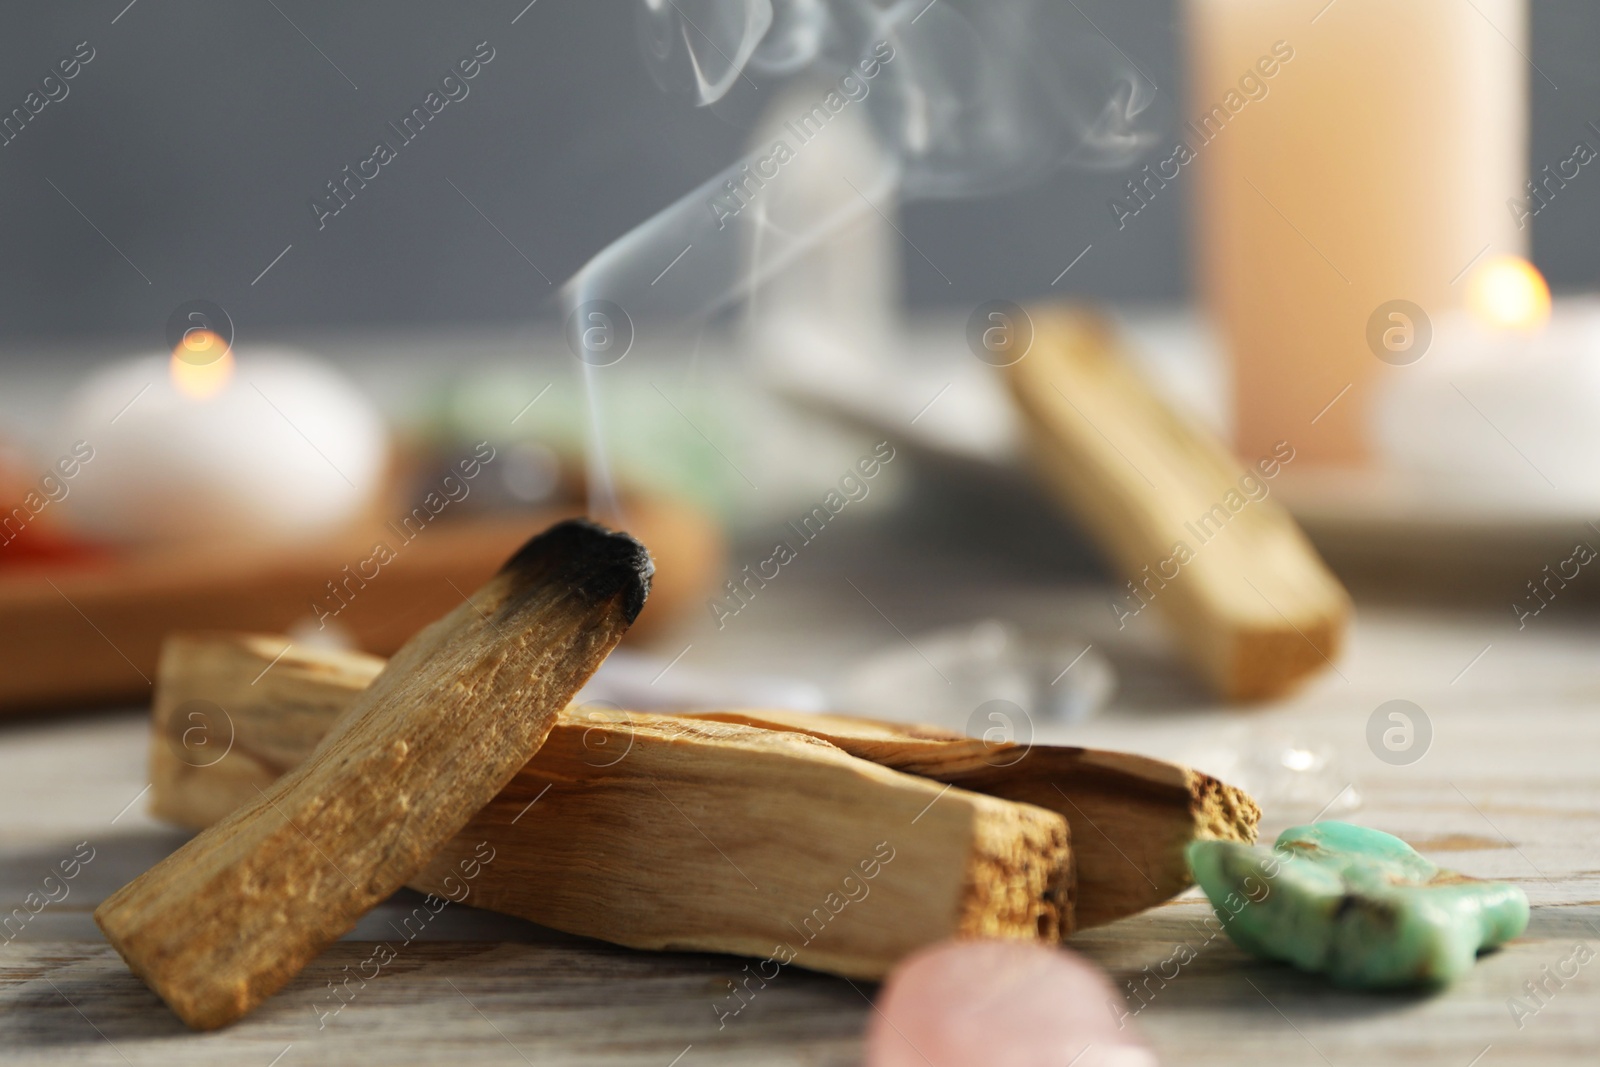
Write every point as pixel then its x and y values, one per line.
pixel 594 561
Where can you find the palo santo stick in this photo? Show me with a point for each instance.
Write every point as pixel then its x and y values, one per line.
pixel 649 830
pixel 1249 600
pixel 1131 816
pixel 234 914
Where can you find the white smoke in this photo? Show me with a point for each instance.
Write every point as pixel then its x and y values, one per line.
pixel 980 97
pixel 976 97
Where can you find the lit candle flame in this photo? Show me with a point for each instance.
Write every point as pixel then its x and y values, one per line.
pixel 202 364
pixel 1509 293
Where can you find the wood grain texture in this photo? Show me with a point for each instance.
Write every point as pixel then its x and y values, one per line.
pixel 561 1004
pixel 544 1000
pixel 86 634
pixel 650 831
pixel 229 918
pixel 757 842
pixel 1131 816
pixel 1253 607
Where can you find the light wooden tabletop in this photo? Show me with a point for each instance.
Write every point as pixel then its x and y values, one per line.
pixel 1508 788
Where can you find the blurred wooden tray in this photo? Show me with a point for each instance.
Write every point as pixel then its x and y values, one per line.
pixel 84 634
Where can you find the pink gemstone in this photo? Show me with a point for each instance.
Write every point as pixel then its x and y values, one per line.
pixel 1000 1004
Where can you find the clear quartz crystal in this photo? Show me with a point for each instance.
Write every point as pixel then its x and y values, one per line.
pixel 982 677
pixel 1292 778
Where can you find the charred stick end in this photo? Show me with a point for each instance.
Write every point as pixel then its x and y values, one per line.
pixel 585 557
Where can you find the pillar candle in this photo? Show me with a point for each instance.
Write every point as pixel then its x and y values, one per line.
pixel 1348 156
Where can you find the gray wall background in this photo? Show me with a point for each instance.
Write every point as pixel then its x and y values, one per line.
pixel 194 139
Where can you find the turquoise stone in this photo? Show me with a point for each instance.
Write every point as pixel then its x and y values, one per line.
pixel 1360 906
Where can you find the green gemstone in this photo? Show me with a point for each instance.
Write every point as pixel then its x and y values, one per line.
pixel 1361 906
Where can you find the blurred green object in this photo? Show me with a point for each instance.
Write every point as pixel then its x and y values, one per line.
pixel 1359 905
pixel 663 437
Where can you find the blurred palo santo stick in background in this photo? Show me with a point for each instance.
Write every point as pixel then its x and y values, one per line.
pixel 650 831
pixel 1191 530
pixel 225 921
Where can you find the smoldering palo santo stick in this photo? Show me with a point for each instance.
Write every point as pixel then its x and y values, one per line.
pixel 231 916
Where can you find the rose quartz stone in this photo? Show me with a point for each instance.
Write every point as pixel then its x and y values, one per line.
pixel 1000 1004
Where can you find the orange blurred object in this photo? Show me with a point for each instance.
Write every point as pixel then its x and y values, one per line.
pixel 45 548
pixel 30 532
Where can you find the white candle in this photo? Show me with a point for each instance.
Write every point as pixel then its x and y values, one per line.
pixel 1500 411
pixel 278 447
pixel 1372 164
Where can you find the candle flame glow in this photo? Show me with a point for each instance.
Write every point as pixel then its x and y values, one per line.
pixel 202 364
pixel 1509 293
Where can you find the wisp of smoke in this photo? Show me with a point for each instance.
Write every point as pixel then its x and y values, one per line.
pixel 979 97
pixel 965 98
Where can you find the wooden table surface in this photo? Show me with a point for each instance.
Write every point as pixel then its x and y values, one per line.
pixel 1509 788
